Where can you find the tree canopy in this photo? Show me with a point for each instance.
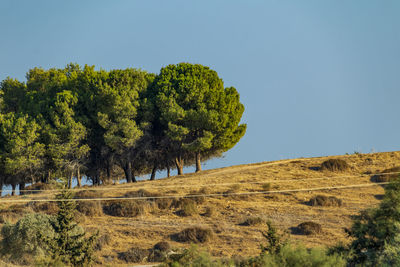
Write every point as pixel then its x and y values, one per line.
pixel 65 123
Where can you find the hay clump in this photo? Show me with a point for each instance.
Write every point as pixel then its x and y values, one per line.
pixel 387 175
pixel 325 201
pixel 195 235
pixel 334 165
pixel 309 228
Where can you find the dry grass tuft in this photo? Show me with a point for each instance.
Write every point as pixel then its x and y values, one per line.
pixel 102 241
pixel 325 201
pixel 88 194
pixel 334 165
pixel 252 221
pixel 308 228
pixel 266 187
pixel 234 193
pixel 194 234
pixel 188 207
pixel 134 255
pixel 90 208
pixel 209 212
pixel 387 177
pixel 37 187
pixel 161 203
pixel 49 208
pixel 124 208
pixel 162 246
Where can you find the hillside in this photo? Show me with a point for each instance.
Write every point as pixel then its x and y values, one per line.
pixel 225 198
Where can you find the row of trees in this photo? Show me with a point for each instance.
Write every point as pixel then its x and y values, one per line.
pixel 65 123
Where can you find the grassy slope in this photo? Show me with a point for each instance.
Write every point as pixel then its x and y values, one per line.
pixel 284 210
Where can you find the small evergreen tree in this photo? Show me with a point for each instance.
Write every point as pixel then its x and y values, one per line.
pixel 70 245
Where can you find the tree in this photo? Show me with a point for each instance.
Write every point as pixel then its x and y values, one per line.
pixel 21 153
pixel 69 244
pixel 196 113
pixel 65 138
pixel 377 232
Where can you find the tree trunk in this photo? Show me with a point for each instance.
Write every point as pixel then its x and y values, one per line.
pixel 78 177
pixel 198 162
pixel 179 165
pixel 98 178
pixel 13 189
pixel 108 168
pixel 153 173
pixel 70 180
pixel 168 171
pixel 1 188
pixel 128 172
pixel 133 175
pixel 21 188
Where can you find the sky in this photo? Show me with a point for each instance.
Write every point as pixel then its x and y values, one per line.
pixel 316 77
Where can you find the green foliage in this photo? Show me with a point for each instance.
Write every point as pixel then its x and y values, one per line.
pixel 24 241
pixel 69 245
pixel 193 257
pixel 74 121
pixel 197 114
pixel 275 242
pixel 294 256
pixel 377 232
pixel 21 153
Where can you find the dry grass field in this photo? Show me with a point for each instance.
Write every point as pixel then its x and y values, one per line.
pixel 233 204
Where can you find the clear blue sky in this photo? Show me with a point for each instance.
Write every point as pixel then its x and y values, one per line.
pixel 316 77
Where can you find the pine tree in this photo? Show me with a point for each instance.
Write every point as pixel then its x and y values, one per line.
pixel 70 245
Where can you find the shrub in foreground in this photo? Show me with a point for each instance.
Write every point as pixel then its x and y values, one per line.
pixel 376 232
pixel 24 241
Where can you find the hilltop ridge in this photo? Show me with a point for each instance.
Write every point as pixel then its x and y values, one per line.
pixel 224 199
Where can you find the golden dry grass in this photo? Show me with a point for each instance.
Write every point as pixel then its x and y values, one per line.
pixel 285 210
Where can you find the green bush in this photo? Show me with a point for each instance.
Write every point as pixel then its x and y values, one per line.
pixel 193 257
pixel 24 241
pixel 376 232
pixel 294 256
